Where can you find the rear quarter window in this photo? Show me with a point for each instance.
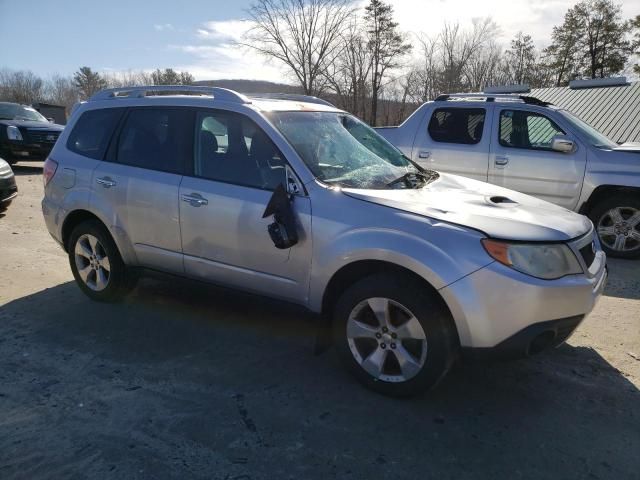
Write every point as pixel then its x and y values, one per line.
pixel 91 133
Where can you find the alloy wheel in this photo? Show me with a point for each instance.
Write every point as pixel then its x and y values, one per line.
pixel 619 229
pixel 92 262
pixel 386 340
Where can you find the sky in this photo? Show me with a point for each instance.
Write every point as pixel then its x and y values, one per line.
pixel 57 37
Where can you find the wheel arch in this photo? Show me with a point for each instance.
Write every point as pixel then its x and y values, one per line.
pixel 352 272
pixel 76 217
pixel 603 191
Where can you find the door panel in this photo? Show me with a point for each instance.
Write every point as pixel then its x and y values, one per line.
pixel 455 140
pixel 143 206
pixel 521 158
pixel 226 240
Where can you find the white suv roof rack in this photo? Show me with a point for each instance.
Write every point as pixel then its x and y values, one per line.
pixel 220 94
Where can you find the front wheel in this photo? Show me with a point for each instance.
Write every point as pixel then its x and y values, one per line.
pixel 617 221
pixel 394 335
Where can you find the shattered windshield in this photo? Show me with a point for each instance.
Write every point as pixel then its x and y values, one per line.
pixel 341 150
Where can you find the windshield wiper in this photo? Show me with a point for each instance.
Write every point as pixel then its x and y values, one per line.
pixel 411 179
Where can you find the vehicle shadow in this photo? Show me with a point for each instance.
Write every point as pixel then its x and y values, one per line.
pixel 624 278
pixel 184 380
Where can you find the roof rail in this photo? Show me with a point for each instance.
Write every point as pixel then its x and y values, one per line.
pixel 296 97
pixel 491 97
pixel 220 94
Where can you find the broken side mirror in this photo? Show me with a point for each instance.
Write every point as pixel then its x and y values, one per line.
pixel 283 230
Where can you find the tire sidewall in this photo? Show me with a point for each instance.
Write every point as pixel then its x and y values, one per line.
pixel 117 274
pixel 432 315
pixel 602 208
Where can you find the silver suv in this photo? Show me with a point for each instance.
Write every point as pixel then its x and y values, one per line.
pixel 298 200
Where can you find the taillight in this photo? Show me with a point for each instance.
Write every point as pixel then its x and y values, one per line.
pixel 49 170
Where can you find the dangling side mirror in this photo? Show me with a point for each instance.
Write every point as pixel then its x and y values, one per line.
pixel 283 231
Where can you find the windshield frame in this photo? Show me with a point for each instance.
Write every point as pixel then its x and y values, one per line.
pixel 405 166
pixel 591 135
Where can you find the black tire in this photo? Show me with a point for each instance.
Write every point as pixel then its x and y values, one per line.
pixel 120 279
pixel 627 202
pixel 426 307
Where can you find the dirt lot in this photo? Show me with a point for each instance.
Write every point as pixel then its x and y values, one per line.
pixel 186 381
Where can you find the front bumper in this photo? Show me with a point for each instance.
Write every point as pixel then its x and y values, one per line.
pixel 8 189
pixel 496 303
pixel 17 150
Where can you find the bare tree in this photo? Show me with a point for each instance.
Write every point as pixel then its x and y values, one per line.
pixel 60 90
pixel 348 75
pixel 459 47
pixel 21 86
pixel 302 34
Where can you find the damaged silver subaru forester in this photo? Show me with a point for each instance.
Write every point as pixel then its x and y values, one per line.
pixel 295 199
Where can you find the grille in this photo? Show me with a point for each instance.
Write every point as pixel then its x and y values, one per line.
pixel 588 253
pixel 43 136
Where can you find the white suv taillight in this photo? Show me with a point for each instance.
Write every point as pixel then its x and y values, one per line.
pixel 49 170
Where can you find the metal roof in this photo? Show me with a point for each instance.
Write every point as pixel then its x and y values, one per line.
pixel 614 111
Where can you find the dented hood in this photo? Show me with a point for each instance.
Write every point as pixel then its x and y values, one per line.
pixel 496 211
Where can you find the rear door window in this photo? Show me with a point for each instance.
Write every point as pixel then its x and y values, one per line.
pixel 93 130
pixel 156 139
pixel 457 125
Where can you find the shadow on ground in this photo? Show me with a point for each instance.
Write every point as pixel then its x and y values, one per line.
pixel 186 381
pixel 624 278
pixel 27 168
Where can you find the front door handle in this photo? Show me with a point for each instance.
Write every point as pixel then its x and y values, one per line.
pixel 195 200
pixel 501 160
pixel 424 154
pixel 106 182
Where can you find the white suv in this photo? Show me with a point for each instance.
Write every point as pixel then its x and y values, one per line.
pixel 300 201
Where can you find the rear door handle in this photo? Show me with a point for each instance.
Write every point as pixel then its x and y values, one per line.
pixel 424 154
pixel 106 182
pixel 501 160
pixel 195 200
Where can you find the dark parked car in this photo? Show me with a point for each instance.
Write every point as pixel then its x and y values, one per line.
pixel 25 134
pixel 8 188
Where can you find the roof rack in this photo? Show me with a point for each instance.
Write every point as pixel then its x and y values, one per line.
pixel 491 97
pixel 220 94
pixel 296 97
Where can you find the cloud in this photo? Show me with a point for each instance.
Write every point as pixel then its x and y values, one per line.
pixel 161 27
pixel 217 53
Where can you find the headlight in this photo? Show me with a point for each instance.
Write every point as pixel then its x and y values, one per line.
pixel 13 133
pixel 547 261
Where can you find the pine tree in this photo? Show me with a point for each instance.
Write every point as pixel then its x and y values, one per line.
pixel 88 82
pixel 386 44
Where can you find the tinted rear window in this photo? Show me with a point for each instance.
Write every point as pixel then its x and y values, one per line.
pixel 457 125
pixel 91 133
pixel 156 139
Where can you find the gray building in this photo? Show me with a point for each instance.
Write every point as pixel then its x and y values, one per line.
pixel 612 109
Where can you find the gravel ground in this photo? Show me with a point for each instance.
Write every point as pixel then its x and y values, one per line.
pixel 186 381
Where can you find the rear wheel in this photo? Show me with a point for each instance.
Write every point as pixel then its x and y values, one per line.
pixel 617 221
pixel 96 263
pixel 394 335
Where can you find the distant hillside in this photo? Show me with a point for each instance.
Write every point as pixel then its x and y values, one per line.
pixel 251 86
